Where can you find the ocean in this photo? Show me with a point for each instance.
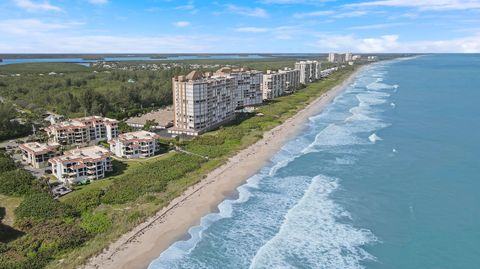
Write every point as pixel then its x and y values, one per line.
pixel 387 176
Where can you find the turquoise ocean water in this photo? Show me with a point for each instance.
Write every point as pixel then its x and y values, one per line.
pixel 387 176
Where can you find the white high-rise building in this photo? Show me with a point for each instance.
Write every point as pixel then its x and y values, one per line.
pixel 309 71
pixel 348 57
pixel 292 79
pixel 247 84
pixel 274 84
pixel 339 58
pixel 202 102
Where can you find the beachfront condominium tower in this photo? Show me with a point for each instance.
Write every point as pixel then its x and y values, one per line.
pixel 201 102
pixel 309 71
pixel 274 84
pixel 292 79
pixel 339 58
pixel 83 130
pixel 247 85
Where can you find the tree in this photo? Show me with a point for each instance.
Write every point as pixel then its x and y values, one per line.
pixel 16 182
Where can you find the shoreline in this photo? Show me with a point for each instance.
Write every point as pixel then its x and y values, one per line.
pixel 143 244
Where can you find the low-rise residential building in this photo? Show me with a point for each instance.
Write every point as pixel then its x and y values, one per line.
pixel 201 102
pixel 83 130
pixel 325 73
pixel 37 154
pixel 89 163
pixel 247 85
pixel 140 144
pixel 309 71
pixel 274 84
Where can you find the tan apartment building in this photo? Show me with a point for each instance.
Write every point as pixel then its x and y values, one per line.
pixel 274 84
pixel 89 163
pixel 202 102
pixel 140 144
pixel 309 71
pixel 83 130
pixel 247 85
pixel 37 154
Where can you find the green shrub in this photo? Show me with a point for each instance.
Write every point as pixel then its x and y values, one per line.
pixel 40 206
pixel 150 177
pixel 95 223
pixel 17 182
pixel 135 216
pixel 84 200
pixel 44 240
pixel 6 163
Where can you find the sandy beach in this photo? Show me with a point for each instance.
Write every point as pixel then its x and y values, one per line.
pixel 144 243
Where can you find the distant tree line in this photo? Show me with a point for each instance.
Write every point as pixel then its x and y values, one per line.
pixel 117 93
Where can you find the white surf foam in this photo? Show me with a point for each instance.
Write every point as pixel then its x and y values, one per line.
pixel 312 236
pixel 374 138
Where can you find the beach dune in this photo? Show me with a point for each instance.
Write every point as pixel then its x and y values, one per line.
pixel 144 243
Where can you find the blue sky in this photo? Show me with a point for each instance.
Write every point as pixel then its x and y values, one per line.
pixel 171 26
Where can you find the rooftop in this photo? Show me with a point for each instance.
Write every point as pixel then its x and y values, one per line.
pixel 83 122
pixel 136 136
pixel 92 153
pixel 38 148
pixel 162 117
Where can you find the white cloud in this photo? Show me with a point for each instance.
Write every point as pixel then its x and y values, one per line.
pixel 280 32
pixel 313 14
pixel 423 4
pixel 190 6
pixel 351 14
pixel 392 43
pixel 376 26
pixel 252 30
pixel 36 6
pixel 294 2
pixel 98 2
pixel 65 42
pixel 246 11
pixel 181 24
pixel 29 27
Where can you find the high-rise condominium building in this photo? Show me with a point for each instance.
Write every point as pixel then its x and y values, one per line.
pixel 309 71
pixel 202 102
pixel 339 58
pixel 247 85
pixel 292 79
pixel 274 84
pixel 348 57
pixel 83 130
